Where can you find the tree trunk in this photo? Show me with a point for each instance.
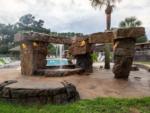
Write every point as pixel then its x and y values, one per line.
pixel 108 21
pixel 107 47
pixel 107 56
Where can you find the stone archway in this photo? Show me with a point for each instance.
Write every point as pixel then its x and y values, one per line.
pixel 34 49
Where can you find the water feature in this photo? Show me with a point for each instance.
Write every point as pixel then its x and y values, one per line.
pixel 59 60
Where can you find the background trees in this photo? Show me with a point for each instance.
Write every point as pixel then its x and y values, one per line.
pixel 26 23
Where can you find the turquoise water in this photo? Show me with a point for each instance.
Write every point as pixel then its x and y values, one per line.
pixel 57 62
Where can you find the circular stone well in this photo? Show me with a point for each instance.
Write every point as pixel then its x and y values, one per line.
pixel 39 92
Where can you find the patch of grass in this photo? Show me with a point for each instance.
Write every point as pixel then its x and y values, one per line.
pixel 99 105
pixel 2 61
pixel 144 62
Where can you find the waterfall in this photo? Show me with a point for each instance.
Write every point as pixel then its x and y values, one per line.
pixel 60 53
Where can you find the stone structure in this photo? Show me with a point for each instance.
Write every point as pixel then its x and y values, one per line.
pixel 14 92
pixel 124 49
pixel 34 49
pixel 142 52
pixel 81 50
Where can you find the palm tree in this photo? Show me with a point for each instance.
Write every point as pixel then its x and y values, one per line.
pixel 130 22
pixel 108 11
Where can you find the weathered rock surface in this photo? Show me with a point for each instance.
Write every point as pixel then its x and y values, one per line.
pixel 80 47
pixel 103 37
pixel 129 32
pixel 85 62
pixel 41 37
pixel 57 72
pixel 134 68
pixel 33 57
pixel 66 93
pixel 123 57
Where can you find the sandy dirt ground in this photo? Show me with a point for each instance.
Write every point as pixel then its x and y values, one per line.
pixel 100 83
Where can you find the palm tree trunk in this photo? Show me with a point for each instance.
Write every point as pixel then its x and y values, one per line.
pixel 107 47
pixel 108 21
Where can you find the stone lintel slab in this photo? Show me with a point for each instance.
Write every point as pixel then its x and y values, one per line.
pixel 34 36
pixel 133 32
pixel 101 37
pixel 120 33
pixel 80 46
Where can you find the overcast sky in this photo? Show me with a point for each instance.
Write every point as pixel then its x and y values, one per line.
pixel 74 15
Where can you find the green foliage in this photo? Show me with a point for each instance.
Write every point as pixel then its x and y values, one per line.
pixel 51 49
pixel 99 105
pixel 26 23
pixel 101 3
pixel 130 22
pixel 29 23
pixel 142 39
pixel 94 56
pixel 2 61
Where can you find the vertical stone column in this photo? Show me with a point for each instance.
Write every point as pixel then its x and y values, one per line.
pixel 82 50
pixel 33 56
pixel 85 62
pixel 123 56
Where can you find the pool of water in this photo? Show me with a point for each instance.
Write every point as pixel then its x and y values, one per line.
pixel 57 62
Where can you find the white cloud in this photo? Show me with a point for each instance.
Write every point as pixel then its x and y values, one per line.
pixel 73 15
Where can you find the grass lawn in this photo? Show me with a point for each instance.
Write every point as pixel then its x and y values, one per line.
pixel 2 61
pixel 144 62
pixel 99 105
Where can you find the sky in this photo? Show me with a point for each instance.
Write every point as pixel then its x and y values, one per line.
pixel 74 15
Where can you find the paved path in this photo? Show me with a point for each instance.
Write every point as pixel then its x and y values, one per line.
pixel 101 83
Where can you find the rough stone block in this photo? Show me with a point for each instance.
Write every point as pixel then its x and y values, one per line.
pixel 134 32
pixel 102 37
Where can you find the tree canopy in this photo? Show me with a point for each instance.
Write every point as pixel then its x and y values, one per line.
pixel 130 22
pixel 25 23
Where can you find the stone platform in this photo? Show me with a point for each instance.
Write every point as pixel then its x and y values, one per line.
pixel 27 91
pixel 100 83
pixel 57 72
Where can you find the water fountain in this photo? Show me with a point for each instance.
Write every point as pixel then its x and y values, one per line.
pixel 33 63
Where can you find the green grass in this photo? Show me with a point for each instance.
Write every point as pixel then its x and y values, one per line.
pixel 2 61
pixel 144 62
pixel 99 105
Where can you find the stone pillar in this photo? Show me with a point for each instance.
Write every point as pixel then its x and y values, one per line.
pixel 124 49
pixel 82 50
pixel 33 56
pixel 85 62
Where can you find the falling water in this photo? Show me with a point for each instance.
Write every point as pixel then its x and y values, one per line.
pixel 59 53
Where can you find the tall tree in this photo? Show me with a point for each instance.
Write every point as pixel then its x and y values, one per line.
pixel 108 11
pixel 133 22
pixel 26 23
pixel 29 23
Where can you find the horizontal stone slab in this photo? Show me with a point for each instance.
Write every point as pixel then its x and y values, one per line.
pixel 34 36
pixel 101 37
pixel 133 32
pixel 108 37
